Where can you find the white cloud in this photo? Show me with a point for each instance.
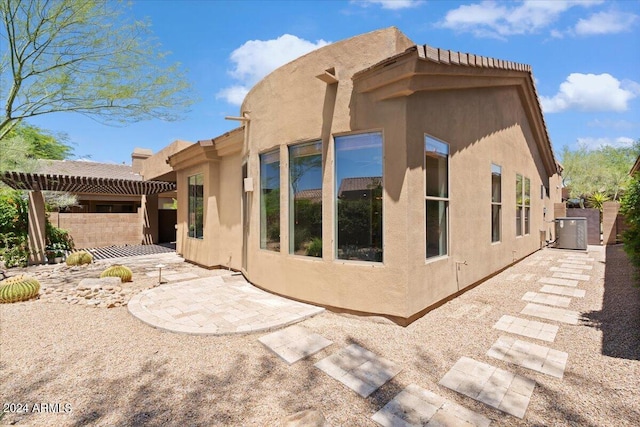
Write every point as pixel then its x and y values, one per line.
pixel 492 19
pixel 596 143
pixel 233 94
pixel 591 92
pixel 390 4
pixel 257 58
pixel 606 23
pixel 613 124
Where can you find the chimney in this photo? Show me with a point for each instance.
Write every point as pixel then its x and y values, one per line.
pixel 138 157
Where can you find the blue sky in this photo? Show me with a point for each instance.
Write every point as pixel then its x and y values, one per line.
pixel 585 57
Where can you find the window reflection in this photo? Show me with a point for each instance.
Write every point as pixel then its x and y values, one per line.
pixel 305 199
pixel 358 160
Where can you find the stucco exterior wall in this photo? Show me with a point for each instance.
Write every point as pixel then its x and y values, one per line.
pixel 291 105
pixel 221 244
pixel 95 230
pixel 477 139
pixel 484 123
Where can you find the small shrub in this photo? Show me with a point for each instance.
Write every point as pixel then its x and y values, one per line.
pixel 14 250
pixel 18 288
pixel 630 208
pixel 315 247
pixel 79 258
pixel 124 273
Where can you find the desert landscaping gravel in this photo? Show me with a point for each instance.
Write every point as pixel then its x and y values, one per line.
pixel 110 369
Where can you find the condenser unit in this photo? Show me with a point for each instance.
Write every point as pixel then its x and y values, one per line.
pixel 571 233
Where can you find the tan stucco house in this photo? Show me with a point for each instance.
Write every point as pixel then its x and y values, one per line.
pixel 373 175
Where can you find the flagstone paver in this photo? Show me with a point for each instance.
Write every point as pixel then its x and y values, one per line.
pixel 359 369
pixel 415 406
pixel 547 299
pixel 571 276
pixel 552 313
pixel 577 266
pixel 562 290
pixel 531 356
pixel 213 306
pixel 527 328
pixel 572 261
pixel 294 343
pixel 558 281
pixel 566 270
pixel 490 385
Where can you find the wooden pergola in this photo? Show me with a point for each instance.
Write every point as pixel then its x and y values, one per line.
pixel 35 183
pixel 83 184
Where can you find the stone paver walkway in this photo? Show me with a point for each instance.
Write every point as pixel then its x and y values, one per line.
pixel 415 406
pixel 552 313
pixel 546 299
pixel 559 282
pixel 561 290
pixel 294 343
pixel 531 356
pixel 490 385
pixel 527 328
pixel 359 369
pixel 217 306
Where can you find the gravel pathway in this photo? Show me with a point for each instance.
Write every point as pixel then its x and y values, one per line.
pixel 110 369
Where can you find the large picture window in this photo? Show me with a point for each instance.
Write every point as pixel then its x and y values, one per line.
pixel 437 196
pixel 196 206
pixel 496 202
pixel 270 201
pixel 305 199
pixel 358 163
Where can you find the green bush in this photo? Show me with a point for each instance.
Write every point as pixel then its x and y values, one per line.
pixel 315 247
pixel 630 208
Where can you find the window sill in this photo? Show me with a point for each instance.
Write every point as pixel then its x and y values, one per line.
pixel 436 259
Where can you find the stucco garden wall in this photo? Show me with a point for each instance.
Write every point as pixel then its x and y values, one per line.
pixel 94 230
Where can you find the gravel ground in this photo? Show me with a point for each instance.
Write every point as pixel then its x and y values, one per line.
pixel 113 370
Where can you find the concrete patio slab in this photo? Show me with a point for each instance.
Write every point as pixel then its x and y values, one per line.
pixel 294 343
pixel 359 369
pixel 490 385
pixel 527 328
pixel 531 356
pixel 561 290
pixel 547 299
pixel 415 406
pixel 552 313
pixel 211 306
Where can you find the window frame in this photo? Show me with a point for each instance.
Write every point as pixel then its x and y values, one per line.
pixel 446 200
pixel 192 207
pixel 291 196
pixel 336 185
pixel 523 206
pixel 497 204
pixel 263 235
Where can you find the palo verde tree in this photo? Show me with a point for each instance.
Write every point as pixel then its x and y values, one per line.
pixel 598 175
pixel 83 56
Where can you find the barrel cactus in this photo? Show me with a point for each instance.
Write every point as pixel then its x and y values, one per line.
pixel 124 273
pixel 18 288
pixel 80 257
